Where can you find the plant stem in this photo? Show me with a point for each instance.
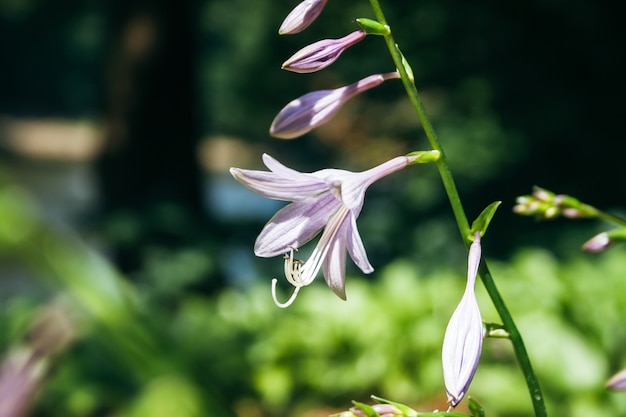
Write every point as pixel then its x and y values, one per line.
pixel 610 218
pixel 461 219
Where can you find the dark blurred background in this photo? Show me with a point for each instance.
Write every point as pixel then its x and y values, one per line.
pixel 119 121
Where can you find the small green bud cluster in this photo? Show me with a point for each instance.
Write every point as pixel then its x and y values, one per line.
pixel 548 205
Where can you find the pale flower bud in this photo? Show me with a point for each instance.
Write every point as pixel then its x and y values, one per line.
pixel 321 54
pixel 301 16
pixel 463 341
pixel 383 410
pixel 318 107
pixel 598 243
pixel 618 381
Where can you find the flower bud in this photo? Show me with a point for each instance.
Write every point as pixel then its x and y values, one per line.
pixel 604 240
pixel 542 194
pixel 372 27
pixel 321 54
pixel 463 341
pixel 301 16
pixel 618 381
pixel 318 107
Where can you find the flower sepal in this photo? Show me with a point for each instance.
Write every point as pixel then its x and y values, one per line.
pixel 425 157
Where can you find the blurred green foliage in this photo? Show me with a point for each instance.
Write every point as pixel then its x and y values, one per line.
pixel 237 351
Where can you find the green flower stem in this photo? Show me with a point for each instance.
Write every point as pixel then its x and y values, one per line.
pixel 461 218
pixel 609 217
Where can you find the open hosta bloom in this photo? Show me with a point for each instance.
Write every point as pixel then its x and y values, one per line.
pixel 330 199
pixel 320 54
pixel 313 109
pixel 463 340
pixel 301 16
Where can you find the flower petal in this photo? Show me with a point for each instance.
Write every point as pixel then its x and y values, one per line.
pixel 356 248
pixel 281 170
pixel 334 266
pixel 353 186
pixel 271 185
pixel 294 225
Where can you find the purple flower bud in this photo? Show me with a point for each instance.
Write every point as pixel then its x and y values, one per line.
pixel 318 107
pixel 301 16
pixel 543 195
pixel 383 410
pixel 598 243
pixel 463 341
pixel 618 381
pixel 321 54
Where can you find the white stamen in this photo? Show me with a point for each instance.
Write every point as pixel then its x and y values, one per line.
pixel 288 302
pixel 300 273
pixel 293 269
pixel 293 274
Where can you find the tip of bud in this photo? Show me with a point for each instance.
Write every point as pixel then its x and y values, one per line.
pixel 598 243
pixel 301 17
pixel 618 381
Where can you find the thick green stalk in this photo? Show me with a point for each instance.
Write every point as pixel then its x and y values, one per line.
pixel 463 224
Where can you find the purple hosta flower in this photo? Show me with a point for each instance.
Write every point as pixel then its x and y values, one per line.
pixel 316 108
pixel 618 381
pixel 463 340
pixel 321 54
pixel 330 199
pixel 301 16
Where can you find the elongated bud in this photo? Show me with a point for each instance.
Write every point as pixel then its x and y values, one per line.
pixel 373 27
pixel 318 107
pixel 301 16
pixel 463 341
pixel 321 54
pixel 618 381
pixel 598 243
pixel 382 410
pixel 604 240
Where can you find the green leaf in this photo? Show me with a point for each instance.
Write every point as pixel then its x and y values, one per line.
pixel 475 408
pixel 368 410
pixel 482 221
pixel 406 410
pixel 406 65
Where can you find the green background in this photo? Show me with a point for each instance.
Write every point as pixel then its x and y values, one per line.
pixel 124 235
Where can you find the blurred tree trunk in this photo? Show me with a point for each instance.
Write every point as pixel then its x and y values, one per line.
pixel 149 153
